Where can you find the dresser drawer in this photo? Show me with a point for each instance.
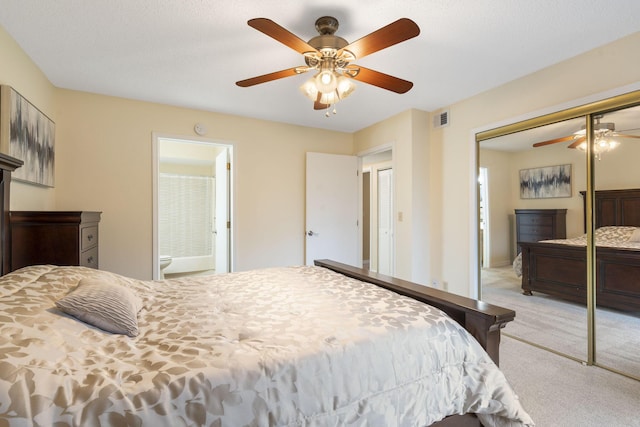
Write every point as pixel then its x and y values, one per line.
pixel 533 225
pixel 88 237
pixel 89 258
pixel 533 238
pixel 54 237
pixel 527 220
pixel 537 231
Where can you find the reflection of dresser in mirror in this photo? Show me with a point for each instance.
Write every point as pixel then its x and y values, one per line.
pixel 54 237
pixel 533 225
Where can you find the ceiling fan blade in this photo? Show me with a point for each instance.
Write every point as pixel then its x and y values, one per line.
pixel 623 135
pixel 577 142
pixel 320 106
pixel 394 33
pixel 317 105
pixel 268 77
pixel 554 141
pixel 384 81
pixel 279 33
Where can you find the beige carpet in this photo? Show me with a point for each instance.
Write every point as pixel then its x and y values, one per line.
pixel 562 326
pixel 559 392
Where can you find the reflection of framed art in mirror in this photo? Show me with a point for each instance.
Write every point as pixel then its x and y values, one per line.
pixel 545 182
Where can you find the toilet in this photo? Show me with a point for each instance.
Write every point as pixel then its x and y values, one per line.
pixel 165 260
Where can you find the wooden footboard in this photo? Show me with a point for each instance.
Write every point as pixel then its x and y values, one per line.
pixel 561 271
pixel 482 320
pixel 554 269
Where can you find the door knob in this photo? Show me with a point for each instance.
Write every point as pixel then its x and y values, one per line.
pixel 311 233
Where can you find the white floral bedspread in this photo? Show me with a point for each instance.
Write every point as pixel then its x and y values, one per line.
pixel 299 346
pixel 608 236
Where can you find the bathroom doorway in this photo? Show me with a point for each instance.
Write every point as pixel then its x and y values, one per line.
pixel 192 209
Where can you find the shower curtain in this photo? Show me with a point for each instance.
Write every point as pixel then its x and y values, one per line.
pixel 186 218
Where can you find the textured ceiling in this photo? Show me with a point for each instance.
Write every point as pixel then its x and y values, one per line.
pixel 190 53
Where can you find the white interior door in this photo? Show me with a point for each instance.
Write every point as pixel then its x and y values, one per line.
pixel 222 213
pixel 385 222
pixel 332 209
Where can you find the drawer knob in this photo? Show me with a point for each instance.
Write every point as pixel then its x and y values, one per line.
pixel 90 237
pixel 90 260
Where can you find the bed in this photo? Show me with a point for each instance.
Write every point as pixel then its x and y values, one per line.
pixel 559 268
pixel 328 344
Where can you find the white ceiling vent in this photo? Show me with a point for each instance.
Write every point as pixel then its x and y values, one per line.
pixel 441 119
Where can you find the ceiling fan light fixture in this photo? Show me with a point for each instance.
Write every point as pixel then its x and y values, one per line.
pixel 330 98
pixel 608 144
pixel 600 146
pixel 309 89
pixel 326 81
pixel 345 87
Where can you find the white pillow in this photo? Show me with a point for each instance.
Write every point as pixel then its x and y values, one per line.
pixel 635 237
pixel 616 233
pixel 108 306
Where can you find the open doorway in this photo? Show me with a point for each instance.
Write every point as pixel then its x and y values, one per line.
pixel 192 209
pixel 378 232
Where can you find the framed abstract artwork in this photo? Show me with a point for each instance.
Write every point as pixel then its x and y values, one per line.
pixel 29 135
pixel 545 182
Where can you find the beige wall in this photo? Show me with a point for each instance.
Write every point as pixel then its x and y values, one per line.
pixel 104 163
pixel 504 193
pixel 408 134
pixel 557 154
pixel 109 140
pixel 17 70
pixel 499 206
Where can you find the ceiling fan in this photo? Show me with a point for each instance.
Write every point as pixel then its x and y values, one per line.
pixel 603 133
pixel 332 57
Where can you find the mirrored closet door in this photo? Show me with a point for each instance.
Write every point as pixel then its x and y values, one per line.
pixel 617 219
pixel 533 185
pixel 561 211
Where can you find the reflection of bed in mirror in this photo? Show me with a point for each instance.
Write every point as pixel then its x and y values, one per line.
pixel 558 268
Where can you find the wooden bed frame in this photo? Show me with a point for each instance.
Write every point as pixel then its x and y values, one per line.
pixel 561 270
pixel 482 320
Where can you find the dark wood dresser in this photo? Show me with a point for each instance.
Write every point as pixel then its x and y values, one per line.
pixel 533 225
pixel 54 237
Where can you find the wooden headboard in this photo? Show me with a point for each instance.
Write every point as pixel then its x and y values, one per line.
pixel 615 207
pixel 7 165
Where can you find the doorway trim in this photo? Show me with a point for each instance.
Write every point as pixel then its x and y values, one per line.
pixel 369 152
pixel 155 161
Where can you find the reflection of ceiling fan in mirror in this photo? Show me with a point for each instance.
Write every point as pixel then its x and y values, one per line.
pixel 605 138
pixel 331 58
